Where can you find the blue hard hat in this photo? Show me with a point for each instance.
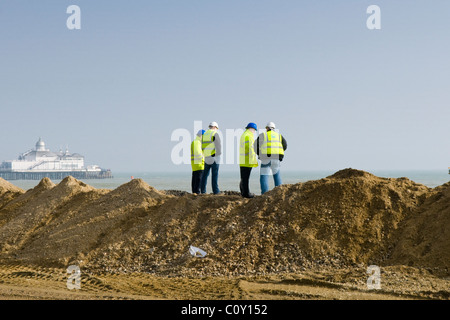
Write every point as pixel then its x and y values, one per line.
pixel 201 132
pixel 251 125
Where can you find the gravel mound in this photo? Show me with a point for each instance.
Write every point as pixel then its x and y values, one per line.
pixel 346 219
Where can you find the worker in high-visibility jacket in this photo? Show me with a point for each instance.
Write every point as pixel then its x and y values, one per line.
pixel 247 158
pixel 197 162
pixel 270 147
pixel 212 150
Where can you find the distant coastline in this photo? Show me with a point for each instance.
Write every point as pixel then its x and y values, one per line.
pixel 229 180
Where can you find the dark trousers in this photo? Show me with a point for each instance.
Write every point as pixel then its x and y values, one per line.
pixel 196 181
pixel 245 178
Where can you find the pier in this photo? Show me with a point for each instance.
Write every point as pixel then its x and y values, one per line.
pixel 40 162
pixel 56 175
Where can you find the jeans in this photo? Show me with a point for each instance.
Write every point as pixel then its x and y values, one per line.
pixel 196 181
pixel 269 167
pixel 214 167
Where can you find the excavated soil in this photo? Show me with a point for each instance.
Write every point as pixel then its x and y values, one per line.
pixel 316 238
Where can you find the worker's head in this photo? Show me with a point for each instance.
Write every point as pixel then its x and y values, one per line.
pixel 270 126
pixel 213 125
pixel 252 127
pixel 200 133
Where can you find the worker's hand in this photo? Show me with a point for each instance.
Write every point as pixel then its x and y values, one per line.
pixel 217 159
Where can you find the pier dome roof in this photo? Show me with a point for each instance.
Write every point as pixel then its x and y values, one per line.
pixel 40 145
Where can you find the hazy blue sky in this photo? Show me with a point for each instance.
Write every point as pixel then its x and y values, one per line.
pixel 341 94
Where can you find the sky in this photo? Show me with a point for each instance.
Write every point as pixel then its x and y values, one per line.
pixel 117 89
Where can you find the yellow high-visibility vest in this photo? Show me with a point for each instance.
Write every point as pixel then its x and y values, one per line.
pixel 197 159
pixel 247 154
pixel 272 143
pixel 208 146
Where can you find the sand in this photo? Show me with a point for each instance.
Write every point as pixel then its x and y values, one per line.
pixel 311 240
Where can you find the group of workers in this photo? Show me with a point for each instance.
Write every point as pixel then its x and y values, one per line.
pixel 206 150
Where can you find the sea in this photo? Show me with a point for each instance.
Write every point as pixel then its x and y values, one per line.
pixel 229 180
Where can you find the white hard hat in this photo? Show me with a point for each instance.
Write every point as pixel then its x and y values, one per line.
pixel 270 125
pixel 214 124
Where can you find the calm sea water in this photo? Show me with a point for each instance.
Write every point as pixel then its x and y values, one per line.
pixel 229 180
